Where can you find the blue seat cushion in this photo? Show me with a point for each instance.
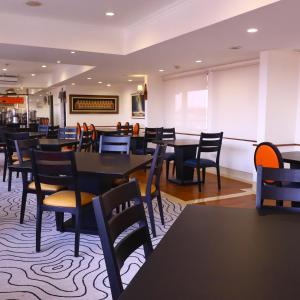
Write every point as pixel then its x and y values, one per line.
pixel 169 156
pixel 204 163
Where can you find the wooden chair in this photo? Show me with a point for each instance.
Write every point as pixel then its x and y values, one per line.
pixel 78 130
pixel 11 155
pixel 110 226
pixel 288 189
pixel 268 155
pixel 136 129
pixel 115 143
pixel 85 142
pixel 209 143
pixel 44 129
pixel 85 127
pixel 53 132
pixel 125 130
pixel 95 145
pixel 151 134
pixel 118 126
pixel 151 189
pixel 166 135
pixel 24 148
pixel 58 168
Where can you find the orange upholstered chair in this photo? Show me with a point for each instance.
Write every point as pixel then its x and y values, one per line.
pixel 119 125
pixel 127 125
pixel 136 128
pixel 85 127
pixel 92 128
pixel 78 130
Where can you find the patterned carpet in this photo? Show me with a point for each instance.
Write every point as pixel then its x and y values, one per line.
pixel 55 273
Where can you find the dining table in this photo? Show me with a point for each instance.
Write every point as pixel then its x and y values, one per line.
pixel 184 149
pixel 214 253
pixel 96 173
pixel 56 144
pixel 292 158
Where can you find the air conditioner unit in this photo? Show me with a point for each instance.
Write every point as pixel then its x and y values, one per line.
pixel 8 79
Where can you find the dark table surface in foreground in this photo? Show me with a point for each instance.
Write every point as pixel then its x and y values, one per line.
pixel 223 253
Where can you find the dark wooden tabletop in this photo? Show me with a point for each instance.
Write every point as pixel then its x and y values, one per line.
pixel 223 253
pixel 102 164
pixel 178 143
pixel 291 157
pixel 58 142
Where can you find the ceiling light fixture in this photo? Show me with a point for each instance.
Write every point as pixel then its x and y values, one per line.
pixel 4 69
pixel 199 61
pixel 72 52
pixel 108 85
pixel 99 82
pixel 110 14
pixel 33 3
pixel 161 70
pixel 58 62
pixel 73 83
pixel 252 30
pixel 89 78
pixel 32 74
pixel 130 80
pixel 44 66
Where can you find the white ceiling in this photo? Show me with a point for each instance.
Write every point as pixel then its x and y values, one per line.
pixel 278 26
pixel 87 11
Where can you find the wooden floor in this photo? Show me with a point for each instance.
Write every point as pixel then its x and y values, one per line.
pixel 209 189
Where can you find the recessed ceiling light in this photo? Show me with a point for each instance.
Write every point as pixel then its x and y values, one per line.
pixel 32 74
pixel 44 66
pixel 73 83
pixel 41 95
pixel 109 13
pixel 89 78
pixel 252 30
pixel 100 82
pixel 129 80
pixel 33 3
pixel 72 52
pixel 4 69
pixel 108 85
pixel 161 70
pixel 58 62
pixel 199 61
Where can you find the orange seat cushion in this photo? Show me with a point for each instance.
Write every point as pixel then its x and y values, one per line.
pixel 46 187
pixel 68 199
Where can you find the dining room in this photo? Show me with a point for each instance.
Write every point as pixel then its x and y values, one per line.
pixel 149 149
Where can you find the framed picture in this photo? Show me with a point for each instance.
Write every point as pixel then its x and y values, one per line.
pixel 138 106
pixel 92 104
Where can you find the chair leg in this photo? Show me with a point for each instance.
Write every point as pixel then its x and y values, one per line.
pixel 77 234
pixel 167 169
pixel 198 179
pixel 203 174
pixel 160 208
pixel 38 229
pixel 18 175
pixel 174 167
pixel 59 217
pixel 5 167
pixel 9 180
pixel 219 177
pixel 151 215
pixel 23 206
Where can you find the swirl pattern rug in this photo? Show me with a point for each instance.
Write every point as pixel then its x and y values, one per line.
pixel 55 273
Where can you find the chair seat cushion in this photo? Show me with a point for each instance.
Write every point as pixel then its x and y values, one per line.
pixel 46 187
pixel 169 156
pixel 24 159
pixel 204 163
pixel 143 187
pixel 67 199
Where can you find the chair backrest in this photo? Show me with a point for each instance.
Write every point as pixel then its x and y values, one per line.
pixel 126 130
pixel 85 141
pixel 78 128
pixel 85 127
pixel 118 125
pixel 55 168
pixel 279 192
pixel 267 155
pixel 43 129
pixel 68 133
pixel 126 124
pixel 168 134
pixel 110 226
pixel 210 142
pixel 53 131
pixel 10 138
pixel 114 143
pixel 24 148
pixel 94 132
pixel 136 128
pixel 156 168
